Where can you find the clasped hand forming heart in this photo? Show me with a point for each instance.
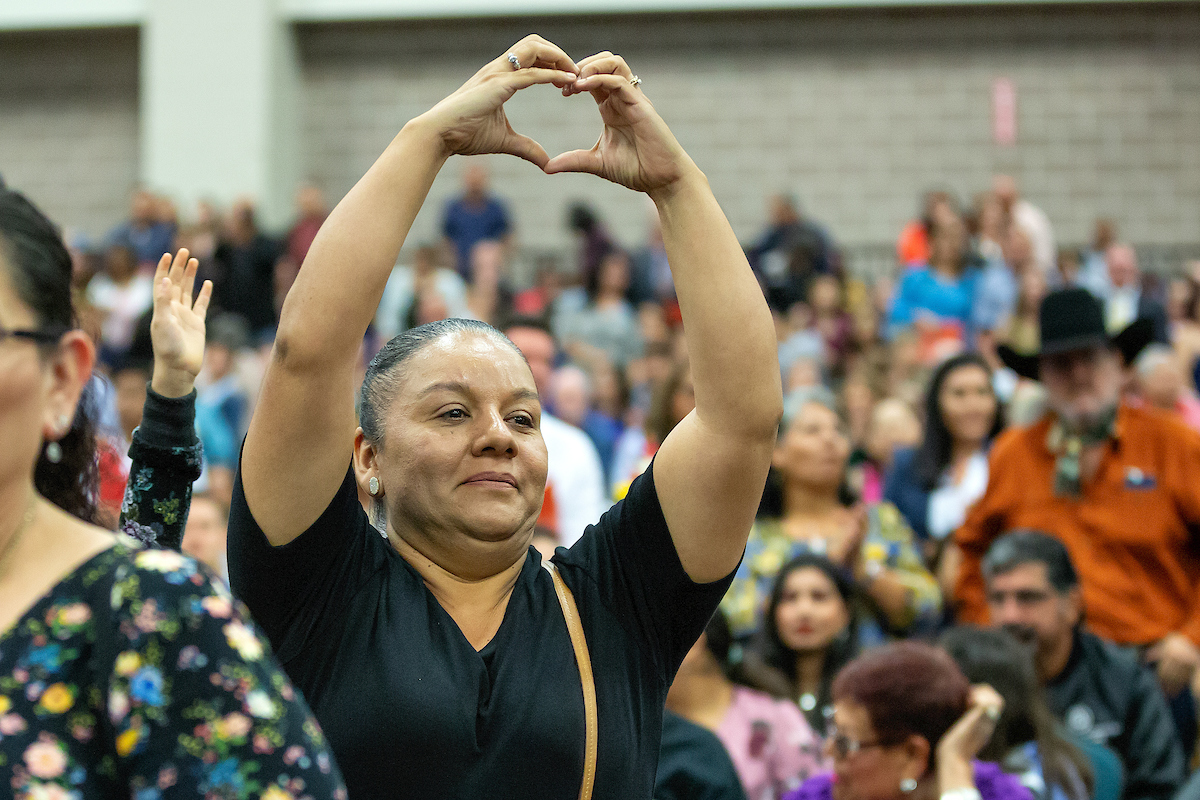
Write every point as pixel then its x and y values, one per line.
pixel 636 149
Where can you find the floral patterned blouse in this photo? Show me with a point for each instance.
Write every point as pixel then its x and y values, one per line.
pixel 888 543
pixel 139 676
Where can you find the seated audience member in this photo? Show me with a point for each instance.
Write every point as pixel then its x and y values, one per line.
pixel 893 426
pixel 912 246
pixel 1027 742
pixel 608 323
pixel 1114 482
pixel 1022 332
pixel 829 318
pixel 937 298
pixel 935 483
pixel 988 225
pixel 575 487
pixel 409 286
pixel 221 386
pixel 1161 384
pixel 651 280
pixel 1029 218
pixel 1093 269
pixel 474 217
pixel 673 399
pixel 790 252
pixel 809 632
pixel 1185 331
pixel 205 533
pixel 772 745
pixel 693 764
pixel 121 294
pixel 245 270
pixel 908 726
pixel 147 233
pixel 572 401
pixel 1100 690
pixel 803 511
pixel 1125 301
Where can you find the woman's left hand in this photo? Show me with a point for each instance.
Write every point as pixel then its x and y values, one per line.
pixel 177 326
pixel 960 745
pixel 636 148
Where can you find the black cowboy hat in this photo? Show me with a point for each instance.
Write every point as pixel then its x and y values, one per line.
pixel 1073 319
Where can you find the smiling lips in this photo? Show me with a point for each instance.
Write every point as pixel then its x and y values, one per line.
pixel 492 480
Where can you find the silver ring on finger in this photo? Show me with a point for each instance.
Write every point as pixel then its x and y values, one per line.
pixel 512 59
pixel 635 80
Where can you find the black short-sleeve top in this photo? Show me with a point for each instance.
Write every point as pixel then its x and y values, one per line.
pixel 412 710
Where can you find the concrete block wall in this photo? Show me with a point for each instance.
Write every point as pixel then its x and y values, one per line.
pixel 69 122
pixel 856 111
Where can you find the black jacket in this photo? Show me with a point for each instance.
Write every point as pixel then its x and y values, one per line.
pixel 1108 695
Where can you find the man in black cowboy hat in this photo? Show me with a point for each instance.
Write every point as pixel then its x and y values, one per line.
pixel 1117 484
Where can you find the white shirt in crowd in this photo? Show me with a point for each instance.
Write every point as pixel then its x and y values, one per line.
pixel 575 478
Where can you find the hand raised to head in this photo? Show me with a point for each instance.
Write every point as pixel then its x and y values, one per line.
pixel 177 325
pixel 636 148
pixel 471 121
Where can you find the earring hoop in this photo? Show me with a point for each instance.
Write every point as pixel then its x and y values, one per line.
pixel 373 486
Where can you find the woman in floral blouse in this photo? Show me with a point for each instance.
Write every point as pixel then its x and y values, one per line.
pixel 123 672
pixel 873 545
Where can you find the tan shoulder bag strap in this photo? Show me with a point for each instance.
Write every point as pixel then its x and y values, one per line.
pixel 584 660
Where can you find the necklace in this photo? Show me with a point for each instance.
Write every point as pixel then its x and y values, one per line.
pixel 19 532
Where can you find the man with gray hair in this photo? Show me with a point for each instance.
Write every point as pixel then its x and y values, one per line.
pixel 1115 482
pixel 1100 690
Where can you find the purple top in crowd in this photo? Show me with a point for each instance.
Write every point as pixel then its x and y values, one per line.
pixel 991 782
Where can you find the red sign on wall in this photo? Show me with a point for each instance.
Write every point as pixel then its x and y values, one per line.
pixel 1004 112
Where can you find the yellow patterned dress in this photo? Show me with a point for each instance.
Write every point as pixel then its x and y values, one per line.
pixel 889 543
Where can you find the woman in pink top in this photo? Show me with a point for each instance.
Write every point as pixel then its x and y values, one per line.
pixel 772 746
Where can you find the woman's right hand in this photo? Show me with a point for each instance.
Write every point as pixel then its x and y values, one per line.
pixel 471 121
pixel 960 745
pixel 177 326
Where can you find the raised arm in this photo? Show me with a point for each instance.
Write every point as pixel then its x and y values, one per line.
pixel 302 433
pixel 165 452
pixel 710 471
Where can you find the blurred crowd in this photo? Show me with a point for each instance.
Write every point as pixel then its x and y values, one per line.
pixel 885 516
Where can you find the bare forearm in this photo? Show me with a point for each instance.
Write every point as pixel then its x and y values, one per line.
pixel 336 293
pixel 731 338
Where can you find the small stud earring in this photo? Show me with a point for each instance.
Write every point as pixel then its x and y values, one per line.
pixel 373 486
pixel 908 785
pixel 54 452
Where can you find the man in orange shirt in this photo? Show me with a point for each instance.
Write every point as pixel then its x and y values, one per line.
pixel 1118 485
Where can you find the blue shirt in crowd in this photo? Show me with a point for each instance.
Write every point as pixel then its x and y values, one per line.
pixel 924 293
pixel 467 224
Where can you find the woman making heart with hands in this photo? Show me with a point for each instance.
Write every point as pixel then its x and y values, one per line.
pixel 433 647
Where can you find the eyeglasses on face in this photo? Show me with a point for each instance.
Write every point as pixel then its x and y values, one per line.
pixel 48 335
pixel 843 746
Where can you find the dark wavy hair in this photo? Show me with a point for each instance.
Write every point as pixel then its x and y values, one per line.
pixel 772 667
pixel 37 263
pixel 933 455
pixel 993 656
